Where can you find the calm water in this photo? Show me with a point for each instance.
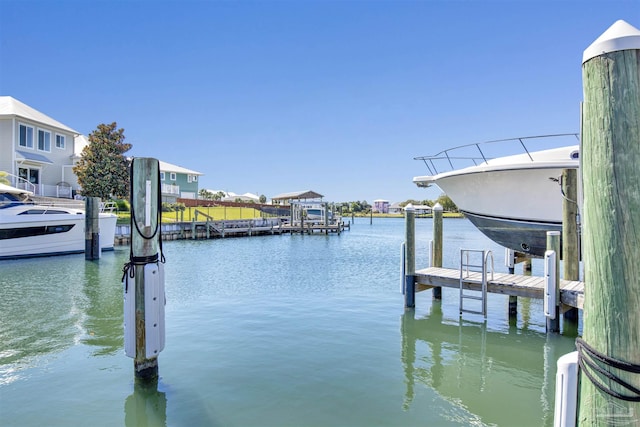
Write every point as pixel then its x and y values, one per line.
pixel 274 331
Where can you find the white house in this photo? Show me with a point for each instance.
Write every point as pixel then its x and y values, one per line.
pixel 36 151
pixel 395 208
pixel 246 197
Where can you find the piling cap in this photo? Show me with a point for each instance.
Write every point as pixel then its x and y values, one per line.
pixel 409 208
pixel 619 36
pixel 437 207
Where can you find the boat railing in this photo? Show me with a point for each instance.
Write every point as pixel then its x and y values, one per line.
pixel 108 207
pixel 481 152
pixel 19 182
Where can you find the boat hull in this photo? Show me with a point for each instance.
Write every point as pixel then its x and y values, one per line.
pixel 33 237
pixel 523 236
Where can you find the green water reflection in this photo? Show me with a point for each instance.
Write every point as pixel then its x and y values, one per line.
pixel 469 364
pixel 146 407
pixel 77 303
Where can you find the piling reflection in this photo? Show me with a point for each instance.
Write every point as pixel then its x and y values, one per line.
pixel 103 308
pixel 51 304
pixel 495 374
pixel 146 407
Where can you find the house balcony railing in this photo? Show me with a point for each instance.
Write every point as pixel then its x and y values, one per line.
pixel 170 189
pixel 60 190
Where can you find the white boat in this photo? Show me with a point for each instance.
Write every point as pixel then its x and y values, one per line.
pixel 514 200
pixel 30 230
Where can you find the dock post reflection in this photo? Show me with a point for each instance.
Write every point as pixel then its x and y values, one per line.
pixel 409 331
pixel 146 407
pixel 475 366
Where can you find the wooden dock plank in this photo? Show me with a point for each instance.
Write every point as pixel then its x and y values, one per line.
pixel 571 292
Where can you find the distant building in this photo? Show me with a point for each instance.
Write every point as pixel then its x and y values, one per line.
pixel 300 196
pixel 395 208
pixel 36 151
pixel 246 197
pixel 422 209
pixel 381 206
pixel 178 182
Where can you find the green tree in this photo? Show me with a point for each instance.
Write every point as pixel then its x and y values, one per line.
pixel 205 194
pixel 263 199
pixel 103 170
pixel 446 203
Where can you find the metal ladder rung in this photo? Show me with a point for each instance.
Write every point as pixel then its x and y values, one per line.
pixel 466 267
pixel 466 310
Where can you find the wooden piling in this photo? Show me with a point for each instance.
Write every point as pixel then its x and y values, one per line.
pixel 410 258
pixel 570 232
pixel 436 256
pixel 610 155
pixel 144 202
pixel 92 228
pixel 553 244
pixel 510 263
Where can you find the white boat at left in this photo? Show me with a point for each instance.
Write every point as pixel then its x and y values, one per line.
pixel 28 229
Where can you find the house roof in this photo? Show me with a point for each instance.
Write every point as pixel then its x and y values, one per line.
pixel 11 107
pixel 297 195
pixel 168 167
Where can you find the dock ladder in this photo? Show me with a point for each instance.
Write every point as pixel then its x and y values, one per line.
pixel 474 268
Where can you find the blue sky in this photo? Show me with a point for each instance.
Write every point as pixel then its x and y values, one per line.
pixel 277 96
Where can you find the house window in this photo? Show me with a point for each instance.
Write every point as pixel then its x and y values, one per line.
pixel 60 141
pixel 161 176
pixel 26 136
pixel 31 175
pixel 44 140
pixel 192 178
pixel 173 176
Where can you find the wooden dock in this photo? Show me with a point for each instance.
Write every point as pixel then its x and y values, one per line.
pixel 314 227
pixel 571 292
pixel 231 228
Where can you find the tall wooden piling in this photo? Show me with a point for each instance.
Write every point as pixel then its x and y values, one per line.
pixel 410 258
pixel 570 232
pixel 611 178
pixel 436 256
pixel 92 228
pixel 144 246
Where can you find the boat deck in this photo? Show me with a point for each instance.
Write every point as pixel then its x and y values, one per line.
pixel 571 292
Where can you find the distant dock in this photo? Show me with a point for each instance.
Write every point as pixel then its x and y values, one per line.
pixel 198 230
